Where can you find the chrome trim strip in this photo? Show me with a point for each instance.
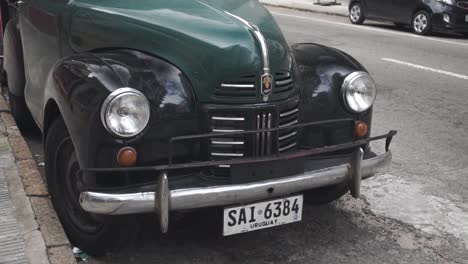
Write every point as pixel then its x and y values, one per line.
pixel 355 184
pixel 163 196
pixel 261 39
pixel 132 203
pixel 258 135
pixel 220 118
pixel 288 135
pixel 216 142
pixel 264 138
pixel 269 135
pixel 117 204
pixel 226 130
pixel 287 147
pixel 227 154
pixel 289 124
pixel 288 113
pixel 237 85
pixel 224 166
pixel 288 81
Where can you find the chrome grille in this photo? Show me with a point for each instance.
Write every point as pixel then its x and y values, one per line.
pixel 264 139
pixel 287 138
pixel 462 4
pixel 243 87
pixel 227 146
pixel 284 83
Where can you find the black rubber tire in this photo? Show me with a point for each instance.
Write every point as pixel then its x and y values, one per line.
pixel 20 112
pixel 427 29
pixel 361 16
pixel 95 235
pixel 326 195
pixel 14 67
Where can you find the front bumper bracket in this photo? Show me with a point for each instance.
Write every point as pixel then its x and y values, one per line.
pixel 164 200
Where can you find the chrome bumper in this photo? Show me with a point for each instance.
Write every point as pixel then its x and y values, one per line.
pixel 164 200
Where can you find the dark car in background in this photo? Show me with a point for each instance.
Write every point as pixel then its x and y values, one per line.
pixel 424 16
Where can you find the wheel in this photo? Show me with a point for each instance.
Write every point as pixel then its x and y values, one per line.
pixel 95 235
pixel 20 112
pixel 356 14
pixel 326 194
pixel 14 68
pixel 422 23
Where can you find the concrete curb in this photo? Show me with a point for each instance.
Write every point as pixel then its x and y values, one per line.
pixel 306 8
pixel 44 237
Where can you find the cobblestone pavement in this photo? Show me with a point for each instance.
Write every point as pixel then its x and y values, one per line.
pixel 12 248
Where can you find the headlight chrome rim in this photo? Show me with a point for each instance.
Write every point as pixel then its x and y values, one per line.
pixel 352 77
pixel 108 102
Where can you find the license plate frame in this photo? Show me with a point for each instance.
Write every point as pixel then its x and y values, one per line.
pixel 258 215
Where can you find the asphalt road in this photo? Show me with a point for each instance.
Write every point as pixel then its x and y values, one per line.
pixel 416 213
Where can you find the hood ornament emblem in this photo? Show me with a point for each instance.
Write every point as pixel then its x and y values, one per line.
pixel 266 81
pixel 267 86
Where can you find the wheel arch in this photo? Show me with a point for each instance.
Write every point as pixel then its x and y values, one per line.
pixel 351 3
pixel 422 7
pixel 51 112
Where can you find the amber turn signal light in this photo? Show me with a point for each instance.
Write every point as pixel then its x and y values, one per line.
pixel 127 157
pixel 361 129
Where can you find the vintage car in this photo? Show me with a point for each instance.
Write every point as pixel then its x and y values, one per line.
pixel 156 106
pixel 424 16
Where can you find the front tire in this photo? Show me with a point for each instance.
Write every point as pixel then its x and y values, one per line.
pixel 95 235
pixel 422 23
pixel 356 14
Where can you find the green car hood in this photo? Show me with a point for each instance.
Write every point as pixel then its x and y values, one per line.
pixel 199 37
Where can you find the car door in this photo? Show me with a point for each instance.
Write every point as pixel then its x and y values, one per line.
pixel 40 33
pixel 402 10
pixel 378 8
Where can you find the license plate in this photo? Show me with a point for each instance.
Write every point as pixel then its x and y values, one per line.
pixel 262 215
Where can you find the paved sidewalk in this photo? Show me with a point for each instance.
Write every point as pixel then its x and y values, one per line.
pixel 11 237
pixel 308 5
pixel 29 228
pixel 12 248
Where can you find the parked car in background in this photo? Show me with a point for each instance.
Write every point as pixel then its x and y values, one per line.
pixel 424 16
pixel 155 106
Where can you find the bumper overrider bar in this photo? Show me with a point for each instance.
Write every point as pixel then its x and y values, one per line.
pixel 163 200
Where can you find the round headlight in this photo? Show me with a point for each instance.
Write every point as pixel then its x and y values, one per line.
pixel 125 112
pixel 359 91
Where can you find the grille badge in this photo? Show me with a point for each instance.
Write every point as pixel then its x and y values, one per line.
pixel 267 86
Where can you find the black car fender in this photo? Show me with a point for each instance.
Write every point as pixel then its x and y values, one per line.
pixel 320 72
pixel 79 84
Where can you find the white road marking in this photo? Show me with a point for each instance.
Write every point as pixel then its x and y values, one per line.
pixel 357 27
pixel 417 66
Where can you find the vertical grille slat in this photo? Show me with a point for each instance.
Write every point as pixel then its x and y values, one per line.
pixel 264 139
